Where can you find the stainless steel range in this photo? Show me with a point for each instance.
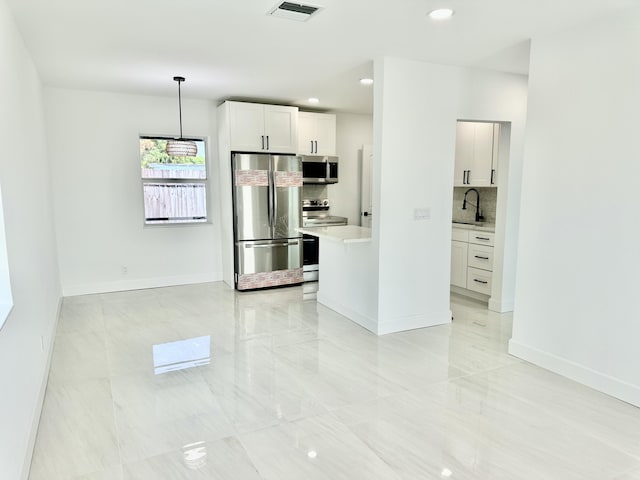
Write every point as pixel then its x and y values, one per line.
pixel 315 213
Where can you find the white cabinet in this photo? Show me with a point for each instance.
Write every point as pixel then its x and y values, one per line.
pixel 479 280
pixel 476 160
pixel 459 253
pixel 480 256
pixel 254 127
pixel 459 263
pixel 316 133
pixel 472 260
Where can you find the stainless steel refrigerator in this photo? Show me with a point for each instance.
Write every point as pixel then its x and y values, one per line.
pixel 267 208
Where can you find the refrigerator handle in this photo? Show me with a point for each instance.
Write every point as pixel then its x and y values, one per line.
pixel 270 201
pixel 273 245
pixel 274 193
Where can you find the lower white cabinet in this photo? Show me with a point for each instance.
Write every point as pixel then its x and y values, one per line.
pixel 459 263
pixel 472 260
pixel 480 256
pixel 479 280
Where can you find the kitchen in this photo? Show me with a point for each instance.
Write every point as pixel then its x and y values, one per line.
pixel 299 136
pixel 320 174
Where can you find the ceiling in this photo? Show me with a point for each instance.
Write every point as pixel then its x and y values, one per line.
pixel 232 49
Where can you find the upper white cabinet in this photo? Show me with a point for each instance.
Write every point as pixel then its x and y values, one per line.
pixel 316 133
pixel 476 154
pixel 254 127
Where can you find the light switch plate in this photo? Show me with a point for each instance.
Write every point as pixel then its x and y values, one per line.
pixel 422 213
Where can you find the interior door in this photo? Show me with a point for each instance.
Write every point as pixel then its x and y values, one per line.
pixel 252 196
pixel 366 184
pixel 287 208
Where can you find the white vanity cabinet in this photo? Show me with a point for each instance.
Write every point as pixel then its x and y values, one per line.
pixel 472 259
pixel 316 133
pixel 476 161
pixel 255 127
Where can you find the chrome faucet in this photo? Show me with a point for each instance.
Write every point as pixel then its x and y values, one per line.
pixel 479 216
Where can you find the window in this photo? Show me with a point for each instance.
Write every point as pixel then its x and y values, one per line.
pixel 174 188
pixel 6 298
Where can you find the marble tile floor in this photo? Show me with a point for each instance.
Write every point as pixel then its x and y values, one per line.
pixel 201 382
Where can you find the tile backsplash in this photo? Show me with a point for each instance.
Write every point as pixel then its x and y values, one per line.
pixel 488 197
pixel 312 191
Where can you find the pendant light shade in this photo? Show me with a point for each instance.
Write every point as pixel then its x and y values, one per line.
pixel 181 147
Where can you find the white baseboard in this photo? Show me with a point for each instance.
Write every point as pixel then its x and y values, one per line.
pixel 35 422
pixel 400 324
pixel 602 382
pixel 392 325
pixel 369 323
pixel 469 293
pixel 139 284
pixel 500 306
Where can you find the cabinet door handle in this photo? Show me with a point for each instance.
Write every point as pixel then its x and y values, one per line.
pixel 311 142
pixel 464 177
pixel 480 281
pixel 493 172
pixel 263 142
pixel 316 146
pixel 483 238
pixel 468 177
pixel 481 258
pixel 267 142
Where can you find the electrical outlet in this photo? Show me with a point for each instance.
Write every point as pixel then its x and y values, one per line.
pixel 125 270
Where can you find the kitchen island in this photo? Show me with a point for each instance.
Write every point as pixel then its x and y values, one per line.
pixel 348 276
pixel 342 233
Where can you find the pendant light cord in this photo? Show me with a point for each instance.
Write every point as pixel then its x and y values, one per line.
pixel 179 80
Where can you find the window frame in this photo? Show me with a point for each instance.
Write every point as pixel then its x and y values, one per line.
pixel 177 181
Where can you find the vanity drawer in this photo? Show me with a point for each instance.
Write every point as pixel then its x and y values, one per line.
pixel 479 280
pixel 480 256
pixel 481 238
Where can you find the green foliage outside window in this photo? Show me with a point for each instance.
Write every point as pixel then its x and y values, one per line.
pixel 153 151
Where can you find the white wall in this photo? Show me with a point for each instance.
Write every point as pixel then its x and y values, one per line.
pixel 577 284
pixel 502 98
pixel 24 176
pixel 414 147
pixel 94 151
pixel 353 131
pixel 416 108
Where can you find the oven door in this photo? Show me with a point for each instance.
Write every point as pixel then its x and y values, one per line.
pixel 310 256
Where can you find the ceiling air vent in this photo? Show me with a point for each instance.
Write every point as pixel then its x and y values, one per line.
pixel 294 11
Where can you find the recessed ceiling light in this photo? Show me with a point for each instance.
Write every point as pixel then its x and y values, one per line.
pixel 366 81
pixel 441 14
pixel 313 100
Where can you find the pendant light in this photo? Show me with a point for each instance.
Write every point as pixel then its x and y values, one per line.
pixel 181 147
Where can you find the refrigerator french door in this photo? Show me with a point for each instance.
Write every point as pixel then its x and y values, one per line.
pixel 267 212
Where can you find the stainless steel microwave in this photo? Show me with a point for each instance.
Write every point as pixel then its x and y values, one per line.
pixel 319 169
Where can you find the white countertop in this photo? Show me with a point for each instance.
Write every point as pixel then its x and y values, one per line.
pixel 487 227
pixel 342 233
